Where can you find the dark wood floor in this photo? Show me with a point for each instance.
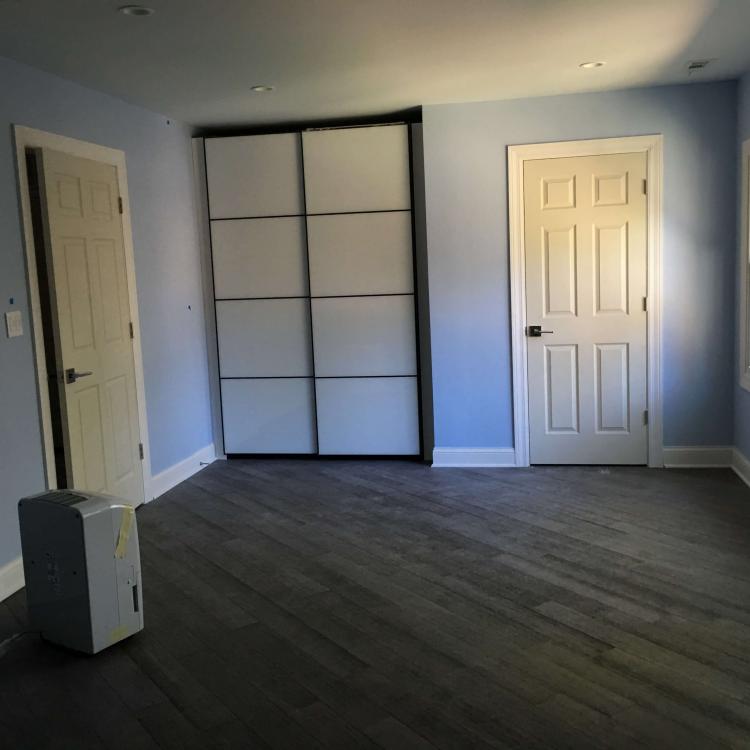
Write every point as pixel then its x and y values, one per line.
pixel 296 605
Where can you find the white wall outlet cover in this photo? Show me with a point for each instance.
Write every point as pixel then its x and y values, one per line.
pixel 14 323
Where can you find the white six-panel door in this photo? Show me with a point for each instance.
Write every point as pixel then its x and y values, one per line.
pixel 586 281
pixel 91 312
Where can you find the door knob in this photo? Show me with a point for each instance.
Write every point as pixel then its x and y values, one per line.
pixel 536 331
pixel 71 375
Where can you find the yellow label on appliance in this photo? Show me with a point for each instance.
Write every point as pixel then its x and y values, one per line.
pixel 126 525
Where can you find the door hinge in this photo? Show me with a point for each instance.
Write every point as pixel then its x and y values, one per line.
pixel 140 451
pixel 645 305
pixel 119 203
pixel 645 187
pixel 645 417
pixel 132 335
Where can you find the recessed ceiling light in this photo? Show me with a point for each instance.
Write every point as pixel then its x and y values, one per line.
pixel 261 88
pixel 136 10
pixel 593 64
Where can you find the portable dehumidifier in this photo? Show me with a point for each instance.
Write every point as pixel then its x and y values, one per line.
pixel 82 566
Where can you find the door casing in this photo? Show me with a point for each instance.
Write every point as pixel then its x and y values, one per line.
pixel 30 138
pixel 652 146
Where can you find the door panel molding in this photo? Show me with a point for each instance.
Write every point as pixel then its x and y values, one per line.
pixel 652 146
pixel 26 137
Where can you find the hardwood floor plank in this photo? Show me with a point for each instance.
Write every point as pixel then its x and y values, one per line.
pixel 383 604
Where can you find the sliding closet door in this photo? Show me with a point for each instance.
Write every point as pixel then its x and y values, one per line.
pixel 357 193
pixel 258 242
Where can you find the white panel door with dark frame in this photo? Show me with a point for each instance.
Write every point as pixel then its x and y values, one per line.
pixel 91 324
pixel 585 237
pixel 314 297
pixel 359 223
pixel 261 293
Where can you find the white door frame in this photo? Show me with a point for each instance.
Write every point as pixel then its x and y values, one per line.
pixel 652 146
pixel 30 138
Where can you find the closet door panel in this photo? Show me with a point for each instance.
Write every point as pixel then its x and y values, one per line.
pixel 257 175
pixel 268 416
pixel 312 234
pixel 364 336
pixel 368 416
pixel 360 254
pixel 259 258
pixel 357 169
pixel 264 338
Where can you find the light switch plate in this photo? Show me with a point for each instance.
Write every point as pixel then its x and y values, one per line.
pixel 14 323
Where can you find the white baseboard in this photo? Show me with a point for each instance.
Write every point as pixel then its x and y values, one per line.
pixel 476 457
pixel 11 578
pixel 741 465
pixel 698 456
pixel 675 456
pixel 171 477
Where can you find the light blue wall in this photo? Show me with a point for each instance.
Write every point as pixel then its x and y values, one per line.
pixel 167 269
pixel 467 234
pixel 742 397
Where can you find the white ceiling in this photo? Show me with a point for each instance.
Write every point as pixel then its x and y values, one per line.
pixel 195 60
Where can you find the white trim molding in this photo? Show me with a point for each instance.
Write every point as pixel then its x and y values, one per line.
pixel 11 578
pixel 697 456
pixel 473 457
pixel 652 146
pixel 179 472
pixel 741 465
pixel 744 328
pixel 31 138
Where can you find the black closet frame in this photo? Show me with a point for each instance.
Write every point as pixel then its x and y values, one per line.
pixel 418 457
